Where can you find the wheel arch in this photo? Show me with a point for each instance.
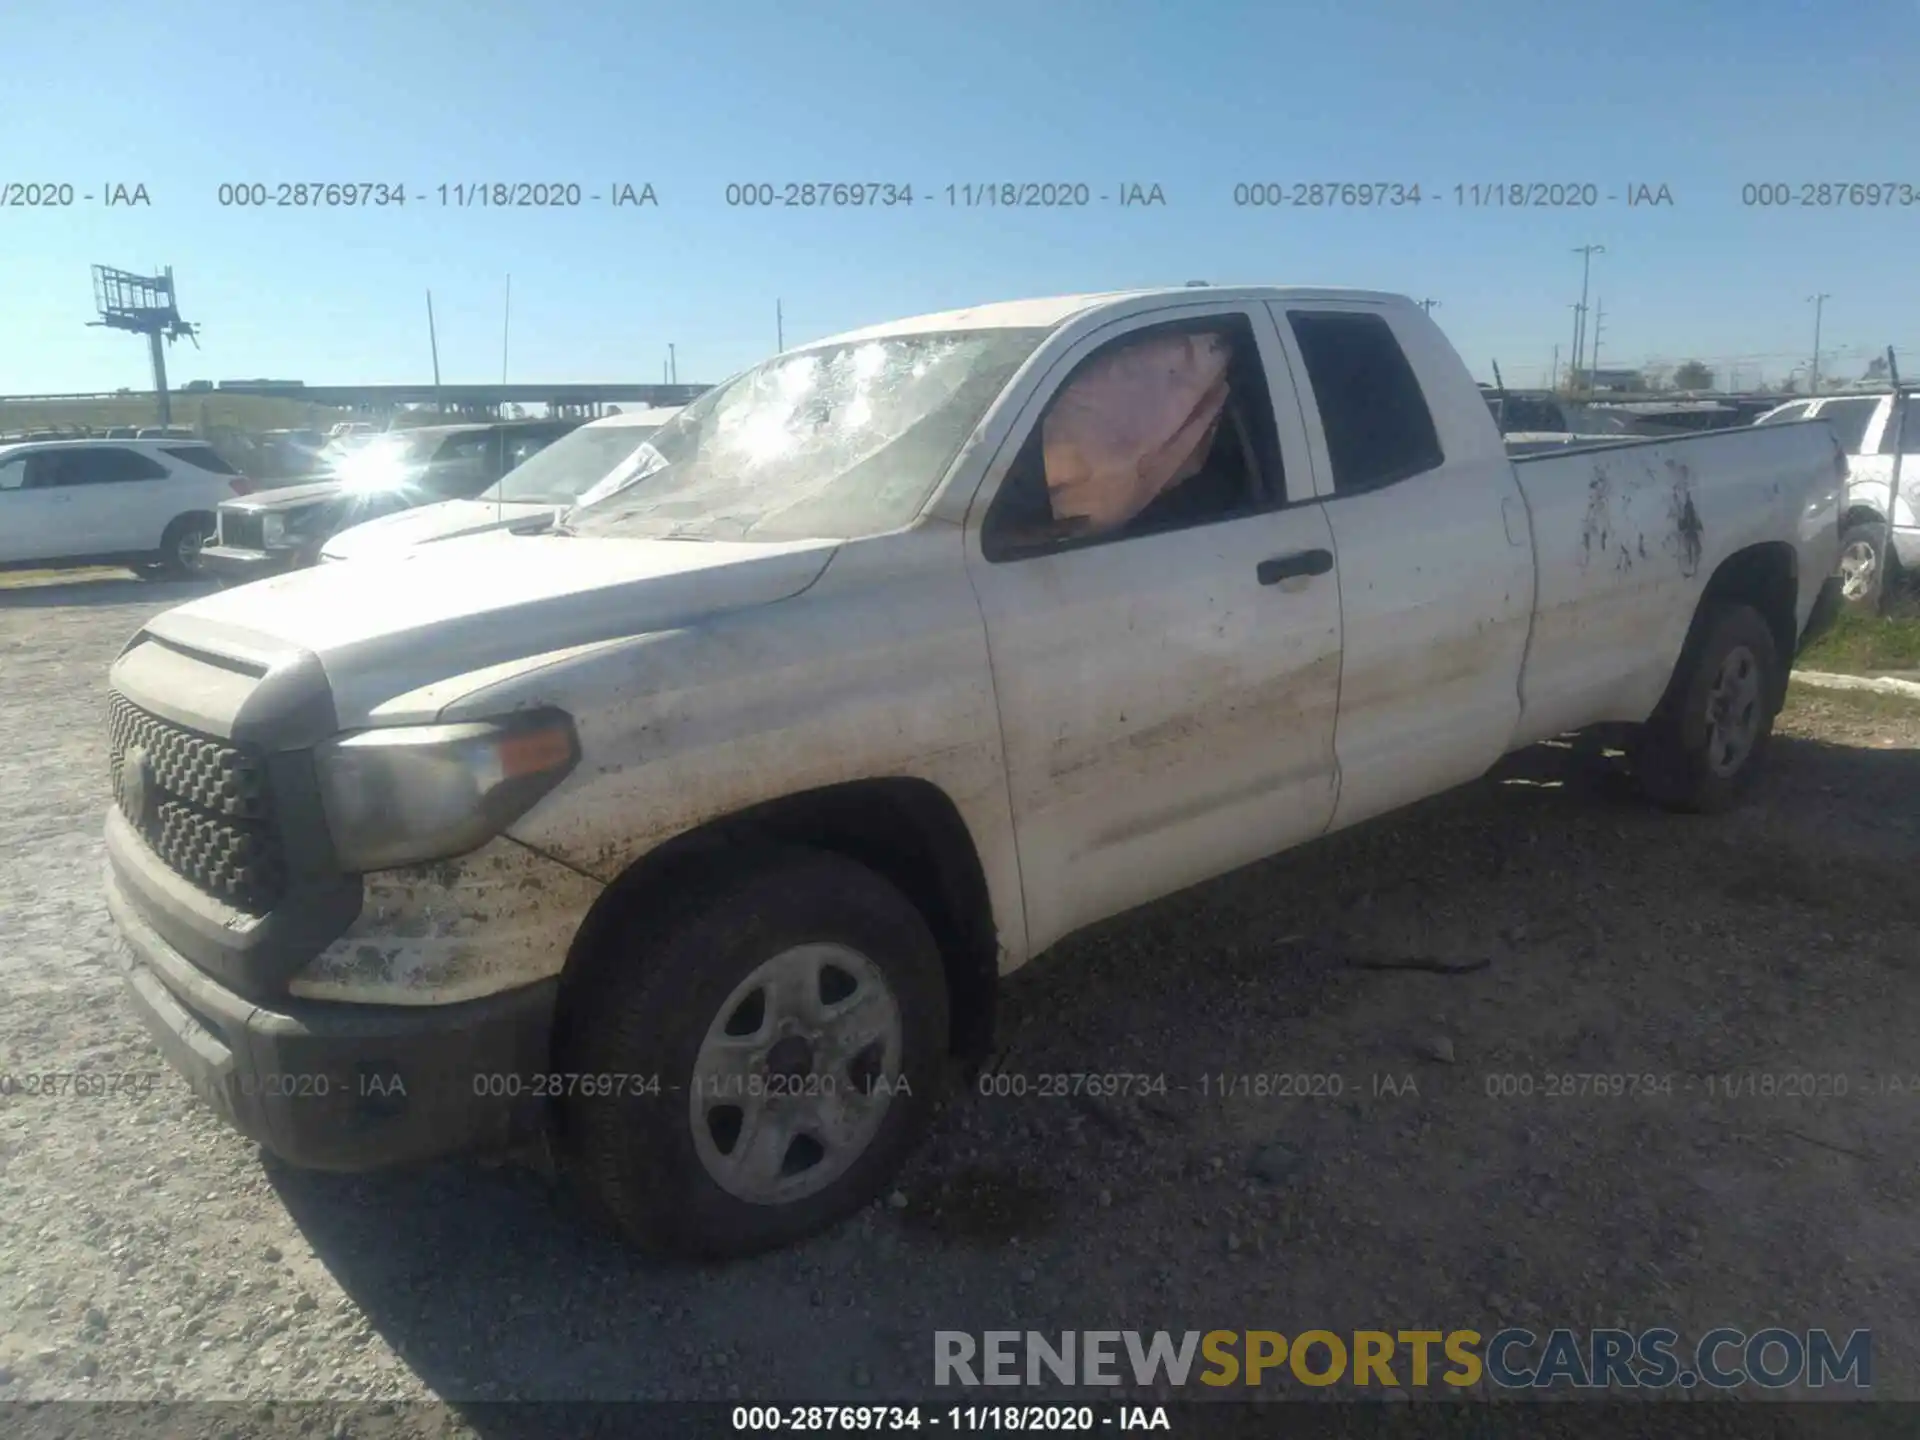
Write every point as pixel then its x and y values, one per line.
pixel 207 519
pixel 905 829
pixel 1766 577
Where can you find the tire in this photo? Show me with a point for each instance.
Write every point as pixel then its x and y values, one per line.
pixel 180 546
pixel 1868 572
pixel 675 1171
pixel 1706 744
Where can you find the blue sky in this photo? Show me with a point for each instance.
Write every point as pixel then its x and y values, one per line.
pixel 1192 96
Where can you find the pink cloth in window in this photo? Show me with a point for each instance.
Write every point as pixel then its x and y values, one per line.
pixel 1133 424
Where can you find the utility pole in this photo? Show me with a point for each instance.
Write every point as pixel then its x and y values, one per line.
pixel 433 341
pixel 1819 303
pixel 1593 361
pixel 1553 371
pixel 779 328
pixel 1573 369
pixel 506 325
pixel 1586 254
pixel 673 365
pixel 1428 305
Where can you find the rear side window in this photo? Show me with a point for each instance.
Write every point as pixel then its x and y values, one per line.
pixel 1849 419
pixel 1378 427
pixel 201 457
pixel 99 465
pixel 524 445
pixel 1910 442
pixel 463 466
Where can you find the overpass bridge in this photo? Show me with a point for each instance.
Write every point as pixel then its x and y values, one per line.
pixel 564 399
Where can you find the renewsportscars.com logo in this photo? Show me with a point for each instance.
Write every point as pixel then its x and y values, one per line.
pixel 1513 1359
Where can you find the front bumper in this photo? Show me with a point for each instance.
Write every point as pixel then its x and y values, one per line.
pixel 227 563
pixel 334 1086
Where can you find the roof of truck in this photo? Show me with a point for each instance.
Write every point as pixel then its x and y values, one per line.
pixel 1045 312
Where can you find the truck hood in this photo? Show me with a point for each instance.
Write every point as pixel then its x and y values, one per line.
pixel 286 497
pixel 386 626
pixel 391 534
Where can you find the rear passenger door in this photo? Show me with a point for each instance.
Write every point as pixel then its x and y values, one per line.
pixel 1434 549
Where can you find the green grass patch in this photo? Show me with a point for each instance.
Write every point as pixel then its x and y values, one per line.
pixel 1862 644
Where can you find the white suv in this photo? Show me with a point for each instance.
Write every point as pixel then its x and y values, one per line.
pixel 147 504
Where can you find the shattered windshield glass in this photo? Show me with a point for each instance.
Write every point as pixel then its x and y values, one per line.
pixel 557 474
pixel 835 442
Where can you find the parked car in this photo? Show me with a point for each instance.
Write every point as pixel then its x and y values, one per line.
pixel 528 496
pixel 142 503
pixel 286 527
pixel 697 832
pixel 1864 425
pixel 284 455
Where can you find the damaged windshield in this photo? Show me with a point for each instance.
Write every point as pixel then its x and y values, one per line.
pixel 835 442
pixel 559 473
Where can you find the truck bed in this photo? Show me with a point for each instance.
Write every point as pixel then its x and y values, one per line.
pixel 1626 535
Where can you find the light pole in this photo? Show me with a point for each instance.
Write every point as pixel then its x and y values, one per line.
pixel 1586 254
pixel 1819 303
pixel 1429 305
pixel 1573 365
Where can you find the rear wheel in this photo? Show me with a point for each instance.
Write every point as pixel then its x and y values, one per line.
pixel 793 1012
pixel 1705 746
pixel 1865 567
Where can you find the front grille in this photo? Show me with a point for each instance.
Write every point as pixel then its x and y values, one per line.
pixel 202 804
pixel 242 530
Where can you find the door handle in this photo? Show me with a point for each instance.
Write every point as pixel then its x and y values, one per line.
pixel 1292 567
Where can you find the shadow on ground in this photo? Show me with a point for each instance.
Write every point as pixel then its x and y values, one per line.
pixel 110 589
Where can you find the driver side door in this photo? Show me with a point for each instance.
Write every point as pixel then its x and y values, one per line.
pixel 1168 689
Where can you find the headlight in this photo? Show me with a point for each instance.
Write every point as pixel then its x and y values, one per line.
pixel 413 793
pixel 273 529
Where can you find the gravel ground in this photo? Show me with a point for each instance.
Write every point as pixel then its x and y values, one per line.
pixel 148 1252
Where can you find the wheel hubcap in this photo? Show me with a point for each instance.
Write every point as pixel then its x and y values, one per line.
pixel 1733 711
pixel 1858 562
pixel 188 549
pixel 793 1079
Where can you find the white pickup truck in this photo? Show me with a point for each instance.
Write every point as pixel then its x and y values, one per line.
pixel 696 836
pixel 1865 426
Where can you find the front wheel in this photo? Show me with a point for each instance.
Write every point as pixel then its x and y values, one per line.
pixel 180 547
pixel 1705 746
pixel 791 1016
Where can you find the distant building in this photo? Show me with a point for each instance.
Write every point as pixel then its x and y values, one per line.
pixel 1613 381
